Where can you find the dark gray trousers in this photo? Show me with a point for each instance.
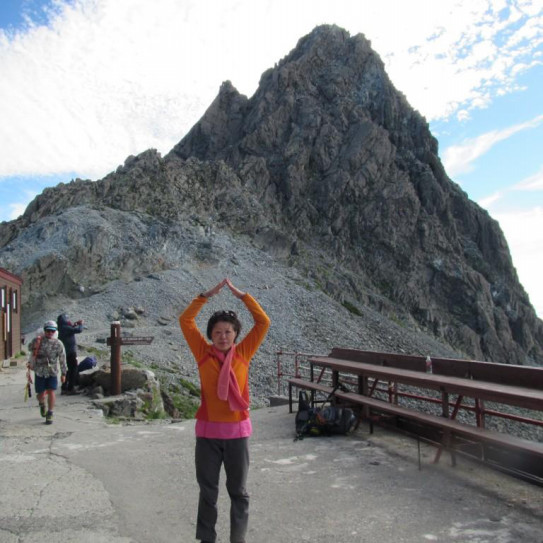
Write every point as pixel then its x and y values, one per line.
pixel 210 455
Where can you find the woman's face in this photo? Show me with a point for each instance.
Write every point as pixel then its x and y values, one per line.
pixel 223 336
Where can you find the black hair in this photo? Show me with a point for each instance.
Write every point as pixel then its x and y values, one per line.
pixel 223 316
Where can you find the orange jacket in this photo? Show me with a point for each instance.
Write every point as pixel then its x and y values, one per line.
pixel 213 409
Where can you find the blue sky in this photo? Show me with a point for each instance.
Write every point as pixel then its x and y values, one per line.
pixel 86 83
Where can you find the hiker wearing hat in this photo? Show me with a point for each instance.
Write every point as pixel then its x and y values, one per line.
pixel 46 353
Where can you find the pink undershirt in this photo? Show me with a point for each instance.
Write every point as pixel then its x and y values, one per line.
pixel 223 430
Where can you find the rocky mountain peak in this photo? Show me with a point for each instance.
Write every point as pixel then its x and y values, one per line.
pixel 328 168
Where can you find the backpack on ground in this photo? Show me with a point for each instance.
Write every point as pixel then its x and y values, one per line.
pixel 87 363
pixel 322 421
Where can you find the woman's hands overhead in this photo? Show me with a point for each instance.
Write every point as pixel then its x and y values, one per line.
pixel 217 288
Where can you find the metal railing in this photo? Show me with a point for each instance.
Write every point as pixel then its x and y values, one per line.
pixel 295 365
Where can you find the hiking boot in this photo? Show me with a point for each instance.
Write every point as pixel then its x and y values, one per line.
pixel 43 410
pixel 49 417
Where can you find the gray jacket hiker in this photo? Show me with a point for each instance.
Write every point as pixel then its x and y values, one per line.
pixel 49 355
pixel 46 354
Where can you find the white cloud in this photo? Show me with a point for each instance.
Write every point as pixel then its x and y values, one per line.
pixel 94 88
pixel 109 78
pixel 459 159
pixel 488 201
pixel 463 115
pixel 479 50
pixel 523 229
pixel 16 210
pixel 524 233
pixel 532 183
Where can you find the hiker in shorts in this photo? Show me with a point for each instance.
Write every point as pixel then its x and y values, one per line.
pixel 46 354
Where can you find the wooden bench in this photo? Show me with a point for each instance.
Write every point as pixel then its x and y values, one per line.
pixel 515 386
pixel 447 425
pixel 529 398
pixel 306 385
pixel 453 427
pixel 490 372
pixel 481 381
pixel 523 457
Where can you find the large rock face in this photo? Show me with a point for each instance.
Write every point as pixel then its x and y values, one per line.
pixel 326 166
pixel 344 163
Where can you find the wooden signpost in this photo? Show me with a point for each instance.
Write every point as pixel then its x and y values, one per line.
pixel 115 341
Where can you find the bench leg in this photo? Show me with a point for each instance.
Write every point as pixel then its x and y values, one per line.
pixel 447 442
pixel 358 412
pixel 446 415
pixel 483 452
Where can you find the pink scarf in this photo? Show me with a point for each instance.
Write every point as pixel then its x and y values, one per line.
pixel 228 386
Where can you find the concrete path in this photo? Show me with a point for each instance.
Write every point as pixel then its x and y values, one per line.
pixel 83 480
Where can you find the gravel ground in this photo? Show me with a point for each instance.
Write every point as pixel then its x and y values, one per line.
pixel 304 319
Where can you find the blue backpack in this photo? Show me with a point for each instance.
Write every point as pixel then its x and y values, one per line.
pixel 87 363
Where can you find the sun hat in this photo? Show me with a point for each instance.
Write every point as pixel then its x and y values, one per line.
pixel 50 325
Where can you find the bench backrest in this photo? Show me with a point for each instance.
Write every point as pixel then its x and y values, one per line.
pixel 491 372
pixel 391 360
pixel 451 368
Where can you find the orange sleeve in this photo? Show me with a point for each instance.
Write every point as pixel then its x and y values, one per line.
pixel 250 343
pixel 195 339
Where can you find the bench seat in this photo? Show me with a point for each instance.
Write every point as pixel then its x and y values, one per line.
pixel 306 385
pixel 453 426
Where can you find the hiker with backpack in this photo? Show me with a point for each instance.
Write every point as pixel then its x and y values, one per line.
pixel 223 425
pixel 46 354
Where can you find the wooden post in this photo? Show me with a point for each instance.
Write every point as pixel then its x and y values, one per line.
pixel 116 343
